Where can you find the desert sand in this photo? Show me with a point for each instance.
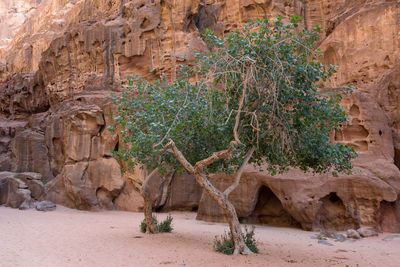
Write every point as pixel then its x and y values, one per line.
pixel 67 237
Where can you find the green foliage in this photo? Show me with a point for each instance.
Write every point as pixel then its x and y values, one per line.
pixel 163 227
pixel 275 69
pixel 191 114
pixel 224 243
pixel 143 224
pixel 277 65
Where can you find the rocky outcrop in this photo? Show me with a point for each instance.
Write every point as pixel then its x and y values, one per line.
pixel 313 202
pixel 63 58
pixel 368 197
pixel 8 129
pixel 20 190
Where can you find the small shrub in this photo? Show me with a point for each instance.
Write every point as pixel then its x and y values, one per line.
pixel 250 240
pixel 224 243
pixel 165 226
pixel 143 224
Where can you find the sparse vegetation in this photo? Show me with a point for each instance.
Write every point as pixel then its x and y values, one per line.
pixel 225 243
pixel 166 225
pixel 162 227
pixel 143 224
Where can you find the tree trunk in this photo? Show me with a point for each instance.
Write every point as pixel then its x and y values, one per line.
pixel 151 228
pixel 221 198
pixel 239 245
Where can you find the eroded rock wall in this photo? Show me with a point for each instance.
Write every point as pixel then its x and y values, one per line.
pixel 60 60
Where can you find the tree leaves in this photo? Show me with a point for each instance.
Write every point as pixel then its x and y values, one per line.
pixel 283 114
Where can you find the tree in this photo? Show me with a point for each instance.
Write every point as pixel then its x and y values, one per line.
pixel 256 101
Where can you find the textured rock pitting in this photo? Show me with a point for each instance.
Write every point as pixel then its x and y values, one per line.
pixel 57 73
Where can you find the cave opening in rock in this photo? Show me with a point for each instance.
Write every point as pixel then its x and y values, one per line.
pixel 269 210
pixel 332 214
pixel 116 148
pixel 397 157
pixel 388 217
pixel 145 23
pixel 207 17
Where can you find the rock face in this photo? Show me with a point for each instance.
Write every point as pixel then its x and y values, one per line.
pixel 20 190
pixel 61 59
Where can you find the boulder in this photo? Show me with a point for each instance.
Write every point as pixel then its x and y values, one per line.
pixel 351 233
pixel 13 192
pixel 34 183
pixel 130 198
pixel 367 231
pixel 55 192
pixel 45 205
pixel 311 201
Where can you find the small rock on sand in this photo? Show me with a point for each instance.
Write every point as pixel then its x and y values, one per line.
pixel 340 238
pixel 367 231
pixel 45 206
pixel 351 233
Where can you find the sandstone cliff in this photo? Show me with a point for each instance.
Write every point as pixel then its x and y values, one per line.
pixel 60 60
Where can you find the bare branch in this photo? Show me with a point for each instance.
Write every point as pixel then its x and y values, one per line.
pixel 239 172
pixel 223 154
pixel 178 154
pixel 241 101
pixel 173 122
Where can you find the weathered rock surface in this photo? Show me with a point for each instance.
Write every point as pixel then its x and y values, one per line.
pixel 312 201
pixel 175 192
pixel 60 60
pixel 20 190
pixel 34 183
pixel 367 197
pixel 367 231
pixel 14 193
pixel 45 205
pixel 351 233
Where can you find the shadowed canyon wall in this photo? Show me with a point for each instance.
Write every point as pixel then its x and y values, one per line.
pixel 61 59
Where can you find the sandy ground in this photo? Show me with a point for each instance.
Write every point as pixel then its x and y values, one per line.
pixel 67 237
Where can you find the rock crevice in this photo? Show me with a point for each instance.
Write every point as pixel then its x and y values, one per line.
pixel 62 60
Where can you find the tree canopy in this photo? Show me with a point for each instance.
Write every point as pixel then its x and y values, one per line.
pixel 255 100
pixel 259 86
